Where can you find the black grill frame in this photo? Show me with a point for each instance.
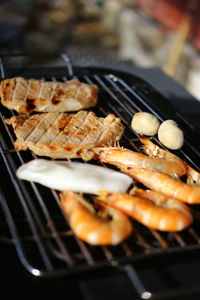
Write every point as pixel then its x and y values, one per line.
pixel 45 248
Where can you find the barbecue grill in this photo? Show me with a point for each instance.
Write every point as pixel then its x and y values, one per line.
pixel 36 225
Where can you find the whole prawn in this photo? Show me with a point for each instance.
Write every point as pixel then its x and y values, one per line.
pixel 93 228
pixel 153 150
pixel 160 182
pixel 149 148
pixel 122 157
pixel 150 208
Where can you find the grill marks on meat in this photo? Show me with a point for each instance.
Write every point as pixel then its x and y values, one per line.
pixel 32 95
pixel 62 135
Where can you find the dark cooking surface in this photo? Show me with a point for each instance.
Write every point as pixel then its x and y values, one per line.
pixel 89 284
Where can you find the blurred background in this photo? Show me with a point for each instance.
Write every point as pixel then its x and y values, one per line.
pixel 110 33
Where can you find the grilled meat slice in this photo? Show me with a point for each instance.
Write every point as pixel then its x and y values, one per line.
pixel 65 135
pixel 29 95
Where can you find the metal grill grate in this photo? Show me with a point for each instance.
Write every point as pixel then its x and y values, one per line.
pixel 42 237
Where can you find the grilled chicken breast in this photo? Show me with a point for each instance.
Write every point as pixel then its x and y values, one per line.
pixel 29 95
pixel 65 135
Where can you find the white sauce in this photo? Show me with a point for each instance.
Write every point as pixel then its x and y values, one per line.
pixel 74 176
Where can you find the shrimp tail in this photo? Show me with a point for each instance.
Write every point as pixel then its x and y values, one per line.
pixel 193 176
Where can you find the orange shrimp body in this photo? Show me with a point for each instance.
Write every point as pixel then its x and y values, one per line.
pixel 153 150
pixel 166 184
pixel 150 208
pixel 122 157
pixel 90 227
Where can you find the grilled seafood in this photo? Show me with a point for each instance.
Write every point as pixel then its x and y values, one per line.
pixel 150 208
pixel 30 95
pixel 92 228
pixel 124 158
pixel 153 150
pixel 193 176
pixel 166 184
pixel 75 176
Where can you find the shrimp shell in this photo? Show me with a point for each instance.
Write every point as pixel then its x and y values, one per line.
pixel 153 150
pixel 122 157
pixel 166 184
pixel 92 228
pixel 150 208
pixel 193 176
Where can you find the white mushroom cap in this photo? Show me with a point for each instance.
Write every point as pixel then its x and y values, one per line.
pixel 145 123
pixel 170 135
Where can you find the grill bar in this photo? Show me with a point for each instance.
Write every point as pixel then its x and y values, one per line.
pixel 29 218
pixel 140 99
pixel 48 233
pixel 18 243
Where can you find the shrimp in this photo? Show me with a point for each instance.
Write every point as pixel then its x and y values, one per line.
pixel 153 150
pixel 149 148
pixel 166 184
pixel 122 157
pixel 91 227
pixel 150 208
pixel 193 176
